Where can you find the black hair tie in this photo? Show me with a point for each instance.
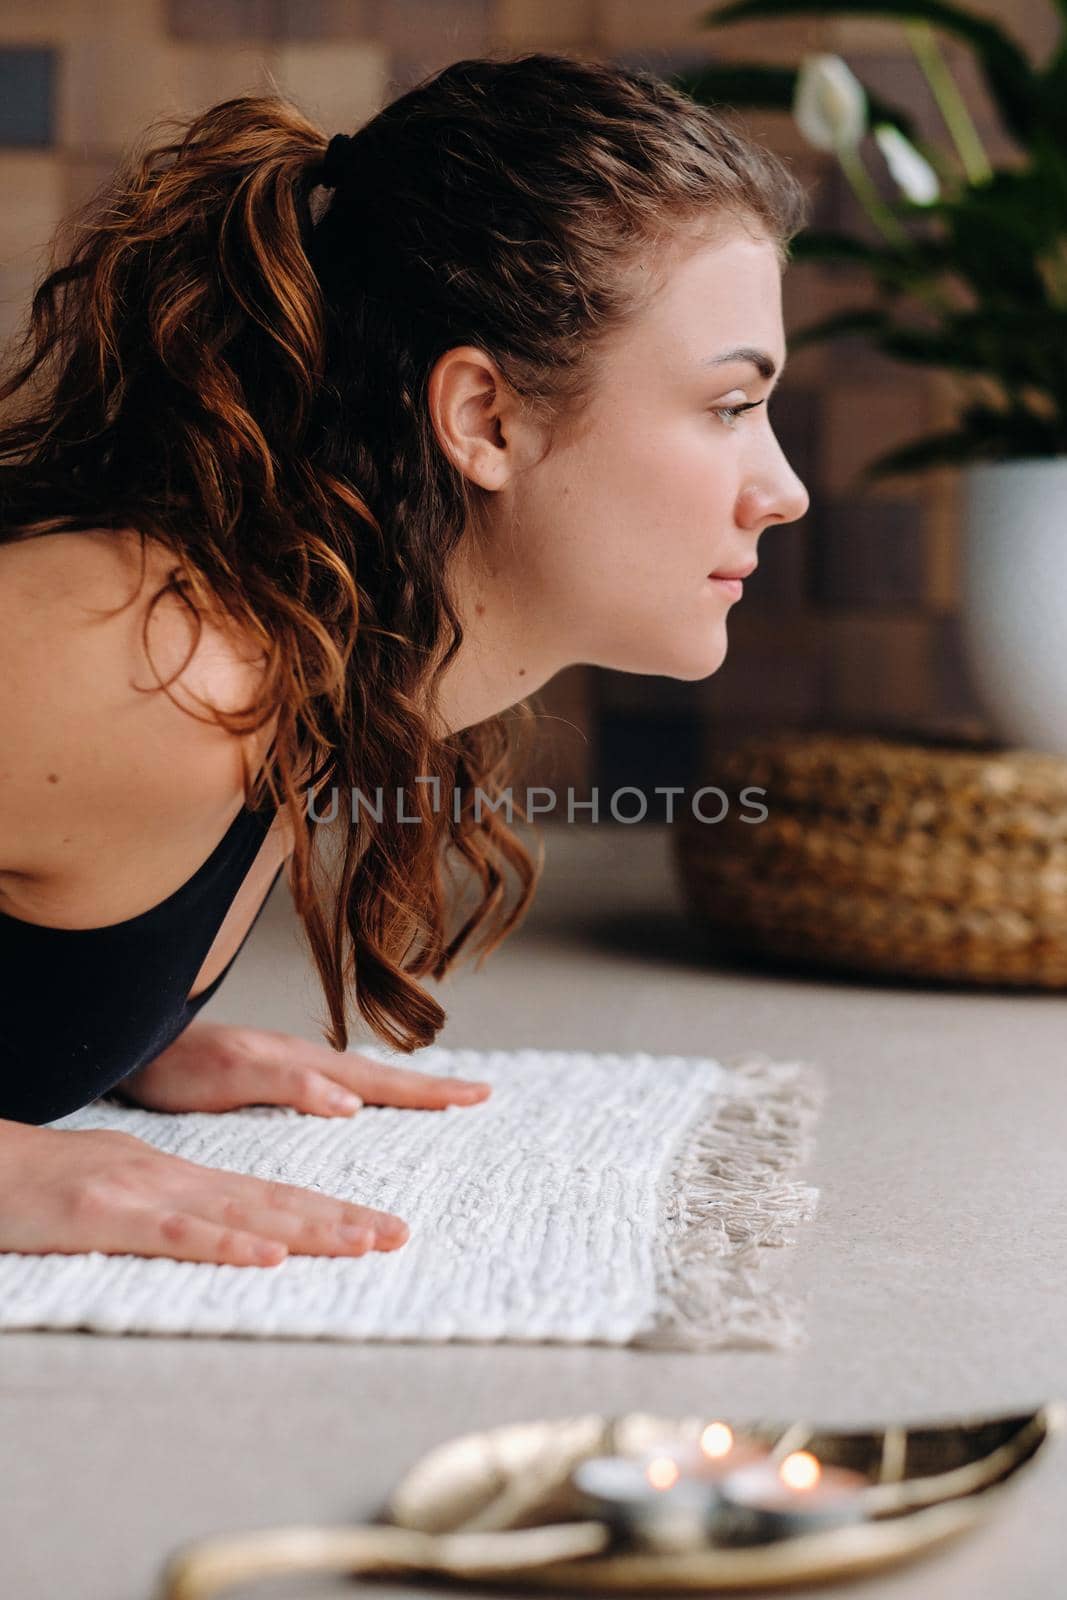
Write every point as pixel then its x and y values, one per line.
pixel 336 160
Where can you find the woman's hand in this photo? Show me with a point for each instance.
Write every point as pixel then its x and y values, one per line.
pixel 216 1066
pixel 77 1189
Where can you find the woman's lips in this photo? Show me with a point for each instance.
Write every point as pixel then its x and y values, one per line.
pixel 731 581
pixel 738 572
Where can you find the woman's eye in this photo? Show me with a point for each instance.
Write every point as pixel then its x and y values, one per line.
pixel 730 414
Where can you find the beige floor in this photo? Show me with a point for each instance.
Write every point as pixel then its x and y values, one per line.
pixel 933 1276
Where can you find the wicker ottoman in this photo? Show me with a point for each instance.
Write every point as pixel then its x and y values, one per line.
pixel 879 855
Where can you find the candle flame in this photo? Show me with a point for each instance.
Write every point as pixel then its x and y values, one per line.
pixel 800 1470
pixel 662 1472
pixel 716 1440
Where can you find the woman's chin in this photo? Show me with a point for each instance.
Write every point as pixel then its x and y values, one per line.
pixel 703 657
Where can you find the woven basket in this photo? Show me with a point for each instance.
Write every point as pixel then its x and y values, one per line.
pixel 885 856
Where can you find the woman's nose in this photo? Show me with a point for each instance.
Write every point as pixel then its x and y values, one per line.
pixel 787 497
pixel 783 501
pixel 796 499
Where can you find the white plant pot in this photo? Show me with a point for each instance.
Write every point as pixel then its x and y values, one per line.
pixel 1014 593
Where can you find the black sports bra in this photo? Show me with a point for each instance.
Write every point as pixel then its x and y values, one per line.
pixel 83 1007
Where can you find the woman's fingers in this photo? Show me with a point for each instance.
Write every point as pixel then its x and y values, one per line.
pixel 304 1221
pixel 241 1233
pixel 339 1088
pixel 314 1223
pixel 291 1084
pixel 184 1236
pixel 379 1085
pixel 77 1190
pixel 278 1068
pixel 295 1233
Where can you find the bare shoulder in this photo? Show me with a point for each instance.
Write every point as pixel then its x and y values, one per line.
pixel 93 749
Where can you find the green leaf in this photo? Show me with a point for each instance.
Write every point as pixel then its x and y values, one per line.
pixel 1014 83
pixel 925 258
pixel 757 86
pixel 937 450
pixel 1052 90
pixel 825 244
pixel 859 320
pixel 985 434
pixel 1020 348
pixel 1051 110
pixel 996 233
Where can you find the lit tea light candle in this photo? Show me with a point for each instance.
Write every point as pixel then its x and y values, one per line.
pixel 650 1500
pixel 800 1494
pixel 718 1453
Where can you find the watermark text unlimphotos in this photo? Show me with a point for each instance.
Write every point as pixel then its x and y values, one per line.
pixel 627 804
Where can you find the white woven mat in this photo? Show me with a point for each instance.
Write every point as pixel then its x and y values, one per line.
pixel 623 1199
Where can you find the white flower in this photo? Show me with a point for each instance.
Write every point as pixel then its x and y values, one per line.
pixel 913 173
pixel 829 103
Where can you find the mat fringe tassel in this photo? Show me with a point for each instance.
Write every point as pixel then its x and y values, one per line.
pixel 726 1199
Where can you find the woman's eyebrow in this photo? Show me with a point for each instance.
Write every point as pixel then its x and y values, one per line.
pixel 763 363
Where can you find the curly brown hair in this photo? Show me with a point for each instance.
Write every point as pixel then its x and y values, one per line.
pixel 224 363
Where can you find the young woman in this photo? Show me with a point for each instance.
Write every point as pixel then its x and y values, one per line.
pixel 326 455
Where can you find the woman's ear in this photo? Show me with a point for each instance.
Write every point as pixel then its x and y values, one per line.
pixel 476 417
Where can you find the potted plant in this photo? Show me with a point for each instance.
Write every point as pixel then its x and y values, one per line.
pixel 968 263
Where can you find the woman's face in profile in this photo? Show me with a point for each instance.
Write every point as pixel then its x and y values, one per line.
pixel 663 486
pixel 600 548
